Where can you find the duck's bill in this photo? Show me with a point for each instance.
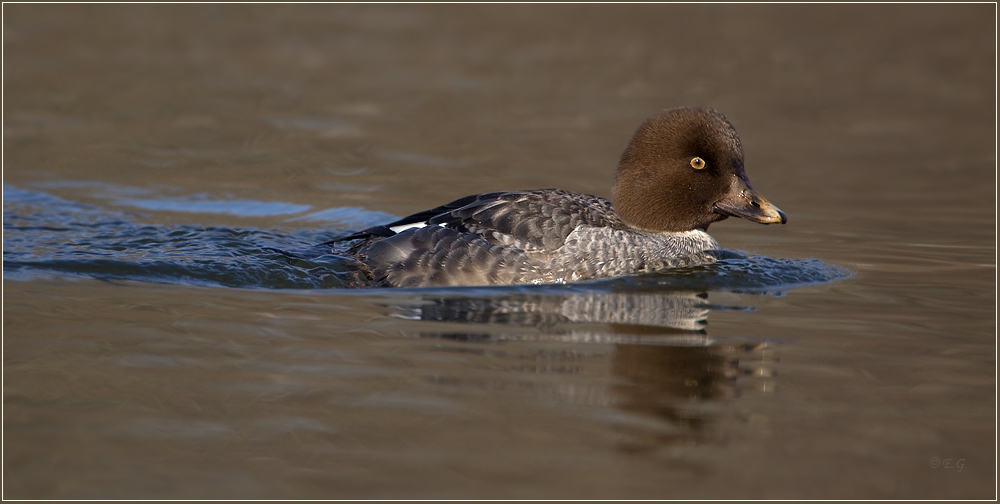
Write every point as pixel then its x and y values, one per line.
pixel 744 202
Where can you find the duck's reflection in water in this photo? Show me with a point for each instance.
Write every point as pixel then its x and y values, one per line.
pixel 663 365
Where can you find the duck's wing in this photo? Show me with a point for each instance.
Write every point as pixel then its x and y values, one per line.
pixel 528 220
pixel 440 256
pixel 416 220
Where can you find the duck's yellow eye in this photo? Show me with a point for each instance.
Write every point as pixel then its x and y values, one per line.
pixel 697 163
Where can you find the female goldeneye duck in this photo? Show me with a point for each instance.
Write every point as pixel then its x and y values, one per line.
pixel 682 171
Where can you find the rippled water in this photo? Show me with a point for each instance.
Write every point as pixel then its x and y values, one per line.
pixel 171 329
pixel 47 234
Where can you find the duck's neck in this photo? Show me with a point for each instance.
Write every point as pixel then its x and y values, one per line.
pixel 644 207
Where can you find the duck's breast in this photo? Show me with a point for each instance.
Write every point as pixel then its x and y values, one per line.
pixel 603 252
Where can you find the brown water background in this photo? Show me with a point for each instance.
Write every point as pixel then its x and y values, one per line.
pixel 871 126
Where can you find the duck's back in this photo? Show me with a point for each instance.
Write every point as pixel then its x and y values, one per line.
pixel 529 220
pixel 485 239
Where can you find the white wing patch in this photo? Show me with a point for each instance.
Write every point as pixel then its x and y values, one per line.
pixel 404 227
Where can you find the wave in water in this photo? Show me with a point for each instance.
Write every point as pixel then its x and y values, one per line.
pixel 45 235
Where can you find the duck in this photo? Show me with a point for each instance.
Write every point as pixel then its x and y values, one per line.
pixel 681 171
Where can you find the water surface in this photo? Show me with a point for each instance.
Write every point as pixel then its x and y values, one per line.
pixel 158 344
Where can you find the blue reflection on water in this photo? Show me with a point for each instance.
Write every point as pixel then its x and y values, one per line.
pixel 245 208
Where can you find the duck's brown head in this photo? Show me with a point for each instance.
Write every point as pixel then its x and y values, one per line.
pixel 683 170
